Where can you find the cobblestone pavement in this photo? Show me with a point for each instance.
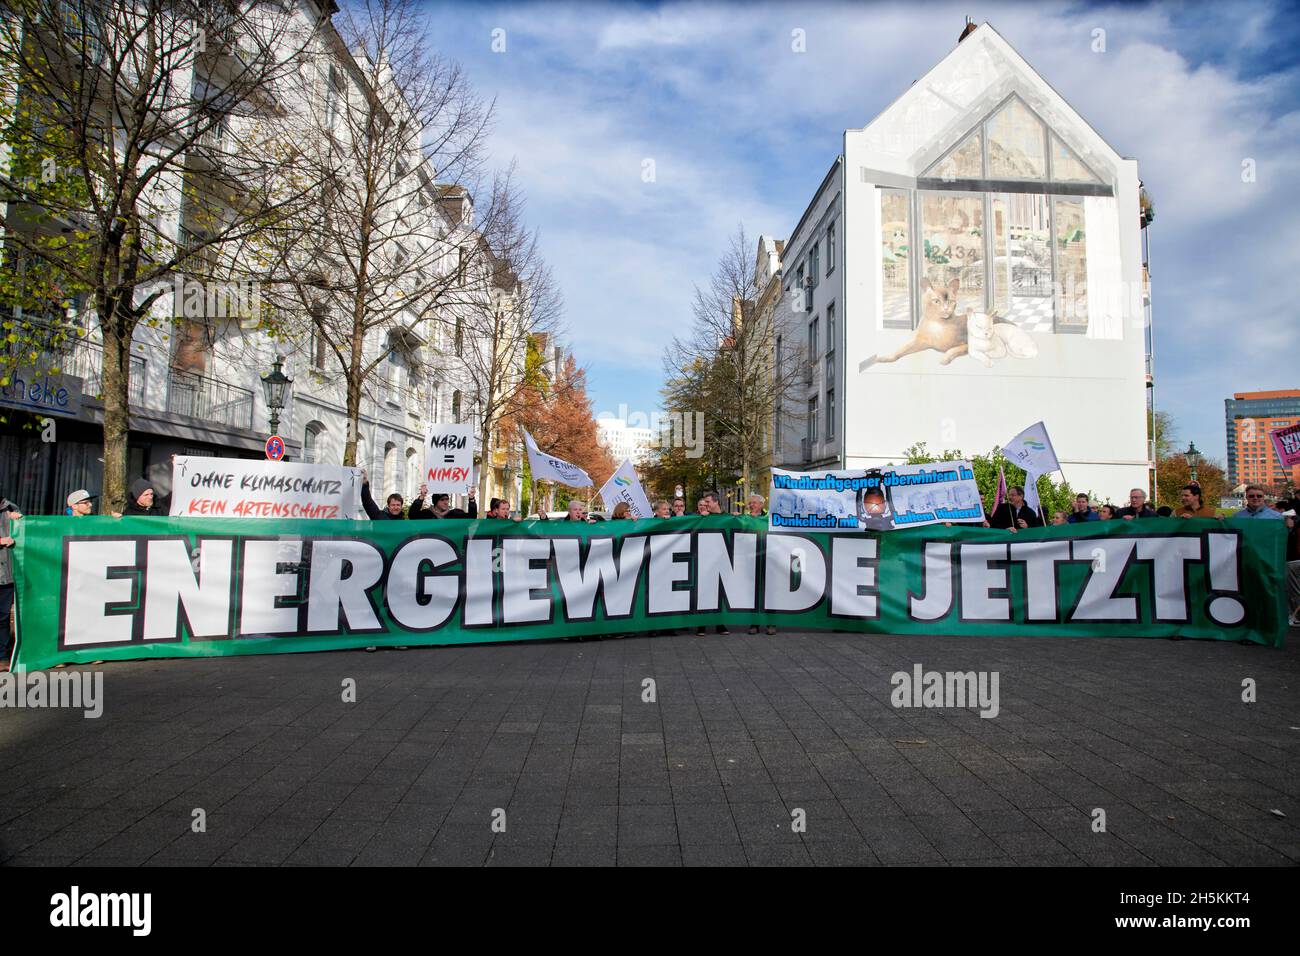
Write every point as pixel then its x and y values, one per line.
pixel 555 741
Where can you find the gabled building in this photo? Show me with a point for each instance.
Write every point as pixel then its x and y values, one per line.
pixel 970 264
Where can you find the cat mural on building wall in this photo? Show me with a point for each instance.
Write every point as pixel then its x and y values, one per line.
pixel 978 334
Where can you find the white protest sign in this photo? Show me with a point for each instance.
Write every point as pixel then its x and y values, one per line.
pixel 625 486
pixel 256 488
pixel 448 458
pixel 876 499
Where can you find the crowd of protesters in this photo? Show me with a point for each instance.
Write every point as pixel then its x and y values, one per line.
pixel 1013 514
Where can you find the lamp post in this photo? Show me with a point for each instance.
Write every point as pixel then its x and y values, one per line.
pixel 1193 459
pixel 275 386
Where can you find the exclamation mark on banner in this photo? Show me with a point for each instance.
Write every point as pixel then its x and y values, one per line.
pixel 1224 609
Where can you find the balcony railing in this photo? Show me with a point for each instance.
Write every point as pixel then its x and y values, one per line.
pixel 201 397
pixel 84 359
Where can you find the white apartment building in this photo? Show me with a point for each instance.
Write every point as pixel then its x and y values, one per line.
pixel 624 441
pixel 195 388
pixel 970 264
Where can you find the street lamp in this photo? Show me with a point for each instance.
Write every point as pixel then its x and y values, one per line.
pixel 275 385
pixel 1193 459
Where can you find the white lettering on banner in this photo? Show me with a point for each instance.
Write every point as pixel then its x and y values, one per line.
pixel 666 570
pixel 336 596
pixel 175 588
pixel 528 599
pixel 795 575
pixel 1098 601
pixel 264 584
pixel 1169 557
pixel 480 581
pixel 430 603
pixel 152 590
pixel 979 579
pixel 614 579
pixel 717 570
pixel 853 577
pixel 935 602
pixel 246 488
pixel 101 574
pixel 1040 559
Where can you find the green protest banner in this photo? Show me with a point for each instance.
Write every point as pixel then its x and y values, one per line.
pixel 100 588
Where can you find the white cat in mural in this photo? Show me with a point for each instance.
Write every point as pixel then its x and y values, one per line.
pixel 987 339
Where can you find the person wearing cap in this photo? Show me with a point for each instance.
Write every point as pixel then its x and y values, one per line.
pixel 144 501
pixel 81 503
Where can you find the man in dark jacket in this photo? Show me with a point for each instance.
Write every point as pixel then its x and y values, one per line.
pixel 1014 514
pixel 440 507
pixel 1137 507
pixel 144 501
pixel 393 506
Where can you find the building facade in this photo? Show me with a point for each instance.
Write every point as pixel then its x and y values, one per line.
pixel 624 441
pixel 971 264
pixel 1249 418
pixel 195 381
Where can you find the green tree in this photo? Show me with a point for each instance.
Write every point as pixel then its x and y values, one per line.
pixel 1054 496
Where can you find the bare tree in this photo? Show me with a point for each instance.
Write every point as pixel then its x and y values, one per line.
pixel 727 368
pixel 396 250
pixel 123 117
pixel 516 299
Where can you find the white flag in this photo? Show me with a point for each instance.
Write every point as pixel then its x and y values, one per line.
pixel 1032 450
pixel 1031 493
pixel 549 468
pixel 624 485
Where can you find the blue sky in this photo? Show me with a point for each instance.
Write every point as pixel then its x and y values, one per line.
pixel 741 130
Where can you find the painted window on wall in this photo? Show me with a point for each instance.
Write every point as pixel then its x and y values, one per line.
pixel 1071 265
pixel 1022 260
pixel 1017 143
pixel 952 229
pixel 964 162
pixel 895 246
pixel 1067 167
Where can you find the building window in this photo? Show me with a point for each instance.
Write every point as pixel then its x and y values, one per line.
pixel 830 347
pixel 813 351
pixel 896 257
pixel 964 162
pixel 830 414
pixel 952 226
pixel 1022 260
pixel 311 443
pixel 814 263
pixel 1067 167
pixel 812 421
pixel 1071 265
pixel 830 248
pixel 335 92
pixel 1017 143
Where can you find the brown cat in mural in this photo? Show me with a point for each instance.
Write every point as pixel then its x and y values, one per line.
pixel 940 329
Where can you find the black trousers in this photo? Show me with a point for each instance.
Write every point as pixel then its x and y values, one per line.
pixel 6 602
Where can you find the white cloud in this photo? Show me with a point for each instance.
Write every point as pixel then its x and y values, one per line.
pixel 741 128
